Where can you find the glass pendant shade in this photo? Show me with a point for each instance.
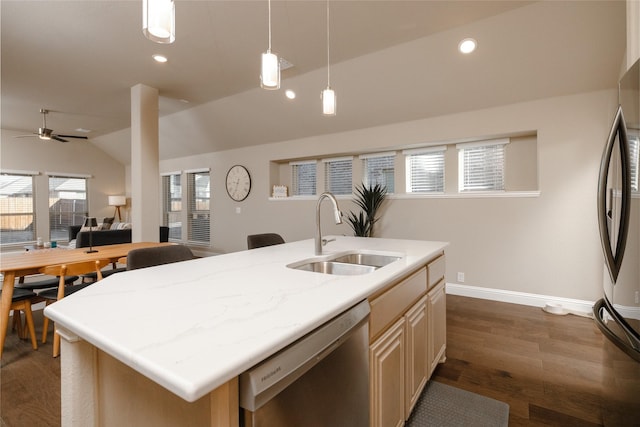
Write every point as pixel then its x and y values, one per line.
pixel 270 75
pixel 328 102
pixel 159 20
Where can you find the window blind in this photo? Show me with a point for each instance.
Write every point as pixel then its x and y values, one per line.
pixel 634 154
pixel 379 170
pixel 172 205
pixel 17 214
pixel 198 210
pixel 338 175
pixel 68 205
pixel 425 171
pixel 481 167
pixel 303 179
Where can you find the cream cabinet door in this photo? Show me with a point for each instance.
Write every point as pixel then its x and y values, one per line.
pixel 416 353
pixel 387 366
pixel 437 319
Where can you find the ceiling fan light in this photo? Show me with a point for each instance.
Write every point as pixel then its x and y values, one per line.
pixel 328 102
pixel 270 72
pixel 159 20
pixel 44 133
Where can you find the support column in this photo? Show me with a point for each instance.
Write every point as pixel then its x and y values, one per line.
pixel 145 170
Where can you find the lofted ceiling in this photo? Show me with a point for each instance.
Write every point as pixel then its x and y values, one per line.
pixel 392 61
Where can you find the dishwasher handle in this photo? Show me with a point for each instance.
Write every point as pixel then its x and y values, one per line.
pixel 264 381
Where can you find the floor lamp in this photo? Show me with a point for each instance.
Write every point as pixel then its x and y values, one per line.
pixel 117 201
pixel 90 222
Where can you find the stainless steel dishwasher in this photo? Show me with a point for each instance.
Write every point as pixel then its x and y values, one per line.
pixel 320 380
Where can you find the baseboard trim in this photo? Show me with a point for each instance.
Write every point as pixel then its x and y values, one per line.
pixel 568 305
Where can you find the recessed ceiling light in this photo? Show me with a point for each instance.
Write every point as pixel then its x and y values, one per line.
pixel 467 45
pixel 290 94
pixel 160 58
pixel 83 130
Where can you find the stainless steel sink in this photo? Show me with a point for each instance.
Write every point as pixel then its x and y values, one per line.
pixel 374 260
pixel 332 267
pixel 346 264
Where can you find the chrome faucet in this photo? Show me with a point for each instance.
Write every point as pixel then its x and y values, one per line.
pixel 320 242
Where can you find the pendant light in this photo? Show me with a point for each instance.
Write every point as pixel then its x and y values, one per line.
pixel 270 71
pixel 159 20
pixel 328 95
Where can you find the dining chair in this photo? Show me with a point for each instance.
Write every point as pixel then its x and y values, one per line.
pixel 56 294
pixel 51 282
pixel 149 257
pixel 265 239
pixel 21 302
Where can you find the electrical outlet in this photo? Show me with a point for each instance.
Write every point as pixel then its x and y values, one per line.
pixel 461 277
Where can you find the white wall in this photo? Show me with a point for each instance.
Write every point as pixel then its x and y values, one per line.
pixel 75 157
pixel 546 245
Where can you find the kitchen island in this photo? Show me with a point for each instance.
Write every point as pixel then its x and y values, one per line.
pixel 165 345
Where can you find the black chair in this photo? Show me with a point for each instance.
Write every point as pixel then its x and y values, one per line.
pixel 149 257
pixel 45 283
pixel 262 240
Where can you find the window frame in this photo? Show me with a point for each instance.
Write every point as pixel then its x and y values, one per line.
pixel 366 175
pixel 409 170
pixel 329 177
pixel 169 200
pixel 62 232
pixel 634 159
pixel 295 186
pixel 196 235
pixel 3 213
pixel 493 183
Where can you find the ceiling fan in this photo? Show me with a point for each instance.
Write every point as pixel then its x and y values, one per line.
pixel 47 134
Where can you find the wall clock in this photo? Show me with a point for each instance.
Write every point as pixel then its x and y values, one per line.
pixel 238 183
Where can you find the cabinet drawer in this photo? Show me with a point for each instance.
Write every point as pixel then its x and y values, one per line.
pixel 436 269
pixel 393 303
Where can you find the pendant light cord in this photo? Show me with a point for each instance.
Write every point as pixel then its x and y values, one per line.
pixel 269 5
pixel 328 71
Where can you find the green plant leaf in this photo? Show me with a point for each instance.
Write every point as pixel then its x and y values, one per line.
pixel 359 224
pixel 369 199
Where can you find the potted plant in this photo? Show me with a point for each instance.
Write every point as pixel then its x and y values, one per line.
pixel 369 199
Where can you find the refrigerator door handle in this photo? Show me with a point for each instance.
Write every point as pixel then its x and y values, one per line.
pixel 613 258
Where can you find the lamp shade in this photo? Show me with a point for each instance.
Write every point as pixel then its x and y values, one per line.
pixel 159 20
pixel 270 74
pixel 328 102
pixel 90 221
pixel 117 200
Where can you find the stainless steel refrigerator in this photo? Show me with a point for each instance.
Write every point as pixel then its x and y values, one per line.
pixel 618 312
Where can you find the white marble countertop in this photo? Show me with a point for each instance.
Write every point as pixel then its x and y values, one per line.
pixel 193 326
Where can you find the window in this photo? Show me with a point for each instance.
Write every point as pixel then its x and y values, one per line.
pixel 199 208
pixel 303 178
pixel 337 175
pixel 425 170
pixel 17 214
pixel 481 166
pixel 67 205
pixel 172 205
pixel 634 157
pixel 379 169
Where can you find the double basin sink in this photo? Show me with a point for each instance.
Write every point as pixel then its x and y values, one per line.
pixel 346 264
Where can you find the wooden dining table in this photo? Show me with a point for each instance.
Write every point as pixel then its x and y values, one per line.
pixel 20 264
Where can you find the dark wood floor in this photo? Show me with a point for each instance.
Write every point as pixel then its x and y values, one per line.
pixel 551 370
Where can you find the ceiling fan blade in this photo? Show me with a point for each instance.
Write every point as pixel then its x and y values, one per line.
pixel 57 138
pixel 33 135
pixel 72 136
